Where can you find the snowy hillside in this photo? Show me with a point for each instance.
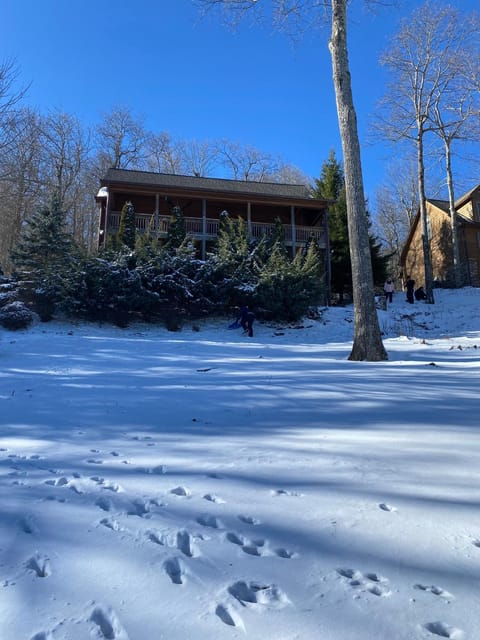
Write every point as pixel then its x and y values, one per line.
pixel 206 485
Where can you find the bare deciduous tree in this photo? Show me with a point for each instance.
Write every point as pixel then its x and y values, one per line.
pixel 456 106
pixel 20 183
pixel 245 162
pixel 199 158
pixel 423 60
pixel 163 154
pixel 367 342
pixel 10 98
pixel 121 140
pixel 65 151
pixel 396 206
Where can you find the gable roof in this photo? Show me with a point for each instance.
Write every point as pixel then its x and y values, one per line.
pixel 218 185
pixel 466 196
pixel 444 206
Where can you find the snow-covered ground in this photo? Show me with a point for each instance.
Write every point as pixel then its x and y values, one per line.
pixel 204 485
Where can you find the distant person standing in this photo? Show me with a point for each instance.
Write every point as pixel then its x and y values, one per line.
pixel 410 287
pixel 388 289
pixel 246 320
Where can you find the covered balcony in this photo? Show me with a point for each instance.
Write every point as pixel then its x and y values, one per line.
pixel 207 229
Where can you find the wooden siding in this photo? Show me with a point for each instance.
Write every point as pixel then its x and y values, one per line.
pixel 441 248
pixel 203 200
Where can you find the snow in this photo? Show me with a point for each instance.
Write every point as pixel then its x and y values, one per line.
pixel 206 485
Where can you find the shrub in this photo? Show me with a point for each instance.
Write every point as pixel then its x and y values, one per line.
pixel 15 316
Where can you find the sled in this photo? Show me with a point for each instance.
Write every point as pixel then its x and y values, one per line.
pixel 234 325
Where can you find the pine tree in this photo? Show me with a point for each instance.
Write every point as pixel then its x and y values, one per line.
pixel 176 229
pixel 127 230
pixel 232 240
pixel 331 185
pixel 45 258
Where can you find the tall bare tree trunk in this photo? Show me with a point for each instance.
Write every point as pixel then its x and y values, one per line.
pixel 453 217
pixel 427 262
pixel 367 341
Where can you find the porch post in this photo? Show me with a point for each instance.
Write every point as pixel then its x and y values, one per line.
pixel 328 265
pixel 204 228
pixel 157 209
pixel 107 214
pixel 249 219
pixel 294 233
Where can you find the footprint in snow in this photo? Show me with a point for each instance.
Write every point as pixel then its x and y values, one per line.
pixel 140 508
pixel 111 523
pixel 285 553
pixel 236 539
pixel 94 461
pixel 104 503
pixel 250 547
pixel 42 635
pixel 28 525
pixel 185 544
pixel 57 482
pixel 387 507
pixel 284 492
pixel 158 470
pixel 248 520
pixel 372 582
pixel 155 537
pixel 251 550
pixel 181 491
pixel 211 497
pixel 476 543
pixel 437 591
pixel 175 570
pixel 208 520
pixel 229 616
pixel 444 630
pixel 108 486
pixel 40 565
pixel 257 593
pixel 55 499
pixel 108 624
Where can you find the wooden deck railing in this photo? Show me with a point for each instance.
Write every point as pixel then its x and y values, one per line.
pixel 145 222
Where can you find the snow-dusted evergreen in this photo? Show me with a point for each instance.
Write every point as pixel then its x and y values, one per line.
pixel 45 260
pixel 164 283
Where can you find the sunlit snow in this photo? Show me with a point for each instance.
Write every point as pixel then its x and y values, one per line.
pixel 206 485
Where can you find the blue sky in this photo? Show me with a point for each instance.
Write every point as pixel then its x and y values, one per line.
pixel 197 79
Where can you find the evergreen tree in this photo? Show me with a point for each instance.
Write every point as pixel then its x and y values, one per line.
pixel 232 241
pixel 286 289
pixel 176 229
pixel 331 185
pixel 45 259
pixel 127 229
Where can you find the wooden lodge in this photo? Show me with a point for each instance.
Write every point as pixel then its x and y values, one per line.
pixel 440 241
pixel 202 200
